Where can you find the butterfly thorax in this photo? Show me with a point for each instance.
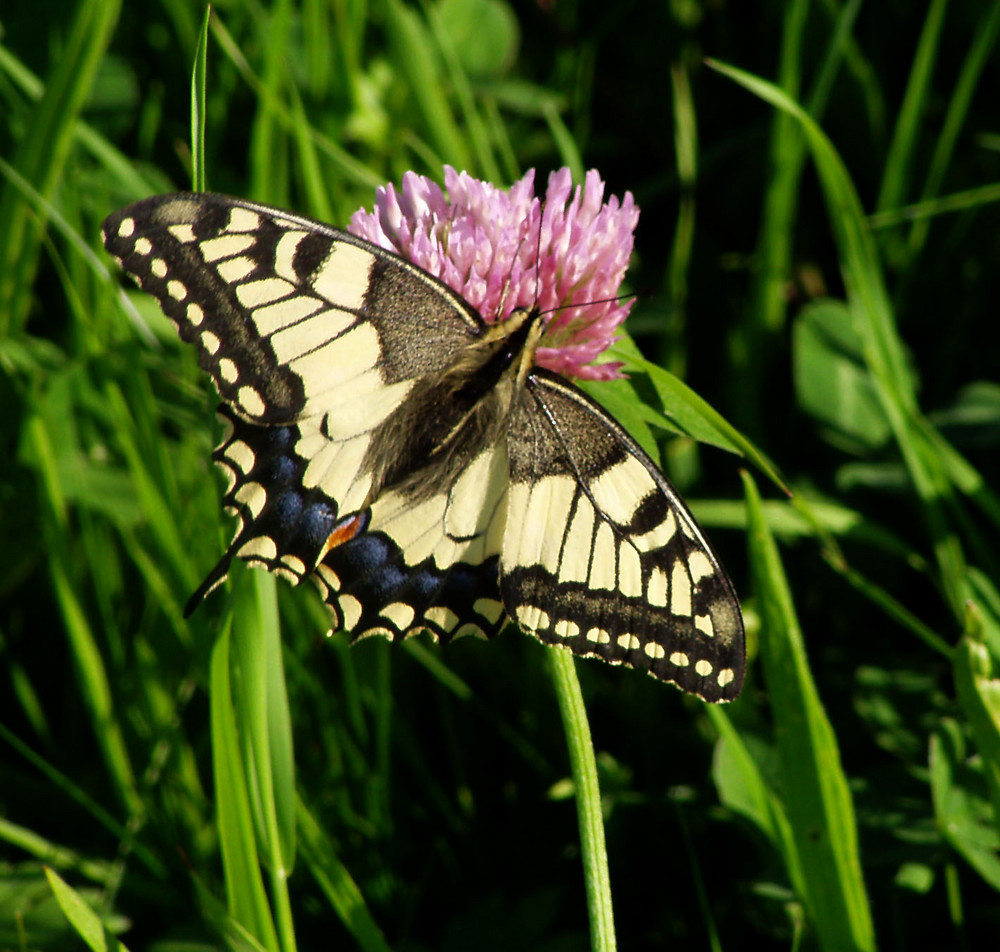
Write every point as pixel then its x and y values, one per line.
pixel 450 416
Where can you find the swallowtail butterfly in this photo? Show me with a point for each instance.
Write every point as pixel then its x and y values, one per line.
pixel 387 442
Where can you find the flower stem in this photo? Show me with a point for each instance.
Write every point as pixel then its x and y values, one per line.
pixel 583 767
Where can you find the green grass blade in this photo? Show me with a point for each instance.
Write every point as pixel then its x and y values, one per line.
pixel 159 510
pixel 965 476
pixel 892 607
pixel 269 152
pixel 87 923
pixel 85 650
pixel 52 854
pixel 246 895
pixel 122 170
pixel 337 885
pixel 199 78
pixel 42 154
pixel 474 123
pixel 56 856
pixel 859 259
pixel 774 245
pixel 815 790
pixel 414 52
pixel 583 767
pixel 268 757
pixel 945 204
pixel 976 61
pixel 875 322
pixel 672 353
pixel 341 160
pixel 837 51
pixel 313 181
pixel 781 197
pixel 236 935
pixel 858 66
pixel 903 149
pixel 566 145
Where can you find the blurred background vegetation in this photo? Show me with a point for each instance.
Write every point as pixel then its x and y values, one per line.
pixel 840 320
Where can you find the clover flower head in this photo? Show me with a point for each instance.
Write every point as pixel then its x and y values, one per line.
pixel 506 249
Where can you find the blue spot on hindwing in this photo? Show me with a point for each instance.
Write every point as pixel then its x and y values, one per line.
pixel 283 471
pixel 377 570
pixel 318 522
pixel 424 584
pixel 274 439
pixel 287 511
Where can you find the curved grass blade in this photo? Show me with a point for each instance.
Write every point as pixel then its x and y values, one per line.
pixel 817 799
pixel 882 347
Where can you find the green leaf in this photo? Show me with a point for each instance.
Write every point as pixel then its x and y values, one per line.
pixel 484 34
pixel 973 418
pixel 198 80
pixel 740 777
pixel 831 378
pixel 961 806
pixel 685 411
pixel 86 922
pixel 917 877
pixel 620 398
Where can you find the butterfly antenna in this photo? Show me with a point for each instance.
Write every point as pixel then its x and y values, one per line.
pixel 538 253
pixel 617 299
pixel 509 281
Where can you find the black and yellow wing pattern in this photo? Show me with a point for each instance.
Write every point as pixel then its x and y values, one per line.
pixel 384 440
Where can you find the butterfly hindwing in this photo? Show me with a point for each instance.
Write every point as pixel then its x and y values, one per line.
pixel 601 555
pixel 427 561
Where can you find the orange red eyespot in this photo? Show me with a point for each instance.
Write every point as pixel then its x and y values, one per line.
pixel 345 531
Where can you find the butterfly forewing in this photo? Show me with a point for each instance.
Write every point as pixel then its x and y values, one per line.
pixel 290 317
pixel 602 557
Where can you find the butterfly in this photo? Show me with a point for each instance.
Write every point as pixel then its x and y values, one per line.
pixel 386 441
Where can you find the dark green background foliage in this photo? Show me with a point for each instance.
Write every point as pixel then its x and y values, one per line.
pixel 839 312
